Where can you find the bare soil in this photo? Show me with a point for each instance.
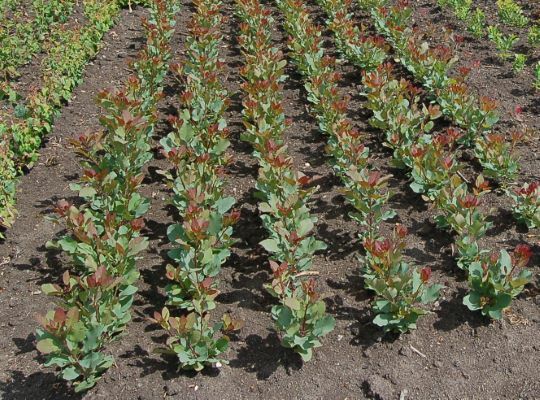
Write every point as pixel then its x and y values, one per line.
pixel 453 354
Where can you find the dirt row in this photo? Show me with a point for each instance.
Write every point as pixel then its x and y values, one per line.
pixel 454 353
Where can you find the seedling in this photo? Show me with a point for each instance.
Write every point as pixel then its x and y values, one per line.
pixel 496 279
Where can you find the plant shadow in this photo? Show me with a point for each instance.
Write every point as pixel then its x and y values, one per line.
pixel 452 313
pixel 263 356
pixel 166 365
pixel 38 385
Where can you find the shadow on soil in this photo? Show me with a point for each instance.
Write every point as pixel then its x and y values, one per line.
pixel 452 314
pixel 264 356
pixel 21 387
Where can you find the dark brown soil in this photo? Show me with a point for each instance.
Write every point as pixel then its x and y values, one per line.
pixel 453 354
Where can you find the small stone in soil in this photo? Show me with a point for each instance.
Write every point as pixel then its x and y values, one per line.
pixel 405 351
pixel 378 387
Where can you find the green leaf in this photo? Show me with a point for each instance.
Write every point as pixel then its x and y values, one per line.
pixel 224 204
pixel 491 119
pixel 306 354
pixel 93 338
pixel 128 291
pixel 70 373
pixel 270 245
pixel 382 319
pixel 519 282
pixel 221 146
pixel 502 301
pixel 429 126
pixel 47 346
pixel 50 289
pixel 222 344
pixel 58 360
pixel 87 192
pixel 78 332
pixel 506 261
pixel 494 313
pixel 284 317
pixel 316 245
pixel 186 131
pixel 472 301
pixel 138 244
pixel 305 227
pixel 324 326
pixel 388 215
pixel 85 385
pixel 417 188
pixel 475 269
pixel 431 293
pixel 68 244
pixel 51 244
pixel 292 303
pixel 265 208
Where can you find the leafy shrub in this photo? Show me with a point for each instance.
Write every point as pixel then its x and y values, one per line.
pixel 497 157
pixel 503 43
pixel 533 36
pixel 527 204
pixel 301 316
pixel 196 149
pixel 104 234
pixel 398 286
pixel 496 279
pixel 519 62
pixel 510 13
pixel 476 23
pixel 362 50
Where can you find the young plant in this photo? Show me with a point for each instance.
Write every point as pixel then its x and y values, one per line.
pixel 287 219
pixel 365 189
pixel 72 335
pixel 510 13
pixel 104 234
pixel 202 245
pixel 23 35
pixel 459 206
pixel 396 110
pixel 444 3
pixel 433 162
pixel 100 238
pixel 7 181
pixel 536 72
pixel 63 64
pixel 461 212
pixel 533 36
pixel 203 241
pixel 476 23
pixel 497 157
pixel 503 43
pixel 432 66
pixel 519 62
pixel 197 151
pixel 496 279
pixel 366 192
pixel 301 316
pixel 193 339
pixel 527 204
pixel 475 116
pixel 365 52
pixel 112 179
pixel 462 8
pixel 399 287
